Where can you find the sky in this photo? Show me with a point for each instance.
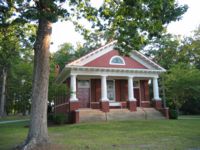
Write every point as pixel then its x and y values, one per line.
pixel 64 31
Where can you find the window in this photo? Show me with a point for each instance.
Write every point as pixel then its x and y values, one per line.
pixel 111 90
pixel 136 84
pixel 83 84
pixel 117 60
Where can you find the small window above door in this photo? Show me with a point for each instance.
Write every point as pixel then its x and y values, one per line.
pixel 83 84
pixel 136 84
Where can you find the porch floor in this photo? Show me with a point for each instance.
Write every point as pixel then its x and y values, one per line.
pixel 92 115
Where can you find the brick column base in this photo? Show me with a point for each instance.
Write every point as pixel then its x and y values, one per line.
pixel 74 113
pixel 132 105
pixel 157 104
pixel 165 112
pixel 74 116
pixel 73 105
pixel 104 106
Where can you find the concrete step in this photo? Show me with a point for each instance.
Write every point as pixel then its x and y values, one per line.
pixel 93 115
pixel 125 114
pixel 152 113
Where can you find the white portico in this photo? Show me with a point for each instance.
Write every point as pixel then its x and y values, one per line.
pixel 104 79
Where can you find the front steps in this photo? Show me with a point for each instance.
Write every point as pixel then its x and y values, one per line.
pixel 93 115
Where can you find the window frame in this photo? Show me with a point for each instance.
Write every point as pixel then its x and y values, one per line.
pixel 114 57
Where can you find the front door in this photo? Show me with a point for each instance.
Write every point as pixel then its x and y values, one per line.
pixel 137 96
pixel 83 93
pixel 111 90
pixel 136 85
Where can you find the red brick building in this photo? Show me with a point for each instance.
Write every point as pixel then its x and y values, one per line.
pixel 103 79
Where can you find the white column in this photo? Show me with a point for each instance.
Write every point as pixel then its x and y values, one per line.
pixel 156 89
pixel 73 88
pixel 130 89
pixel 104 88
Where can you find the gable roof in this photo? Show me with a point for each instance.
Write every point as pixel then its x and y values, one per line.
pixel 135 55
pixel 106 61
pixel 90 56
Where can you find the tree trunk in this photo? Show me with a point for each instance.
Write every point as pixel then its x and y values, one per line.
pixel 38 133
pixel 3 93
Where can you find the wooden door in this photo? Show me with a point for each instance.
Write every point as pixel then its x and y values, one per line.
pixel 83 93
pixel 137 95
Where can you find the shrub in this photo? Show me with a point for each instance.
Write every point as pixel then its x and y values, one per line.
pixel 191 107
pixel 173 114
pixel 50 117
pixel 60 118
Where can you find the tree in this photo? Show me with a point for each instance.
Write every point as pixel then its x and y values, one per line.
pixel 164 50
pixel 134 23
pixel 64 55
pixel 19 86
pixel 181 59
pixel 149 16
pixel 14 37
pixel 7 53
pixel 182 83
pixel 43 12
pixel 190 49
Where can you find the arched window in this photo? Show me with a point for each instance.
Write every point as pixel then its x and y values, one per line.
pixel 117 60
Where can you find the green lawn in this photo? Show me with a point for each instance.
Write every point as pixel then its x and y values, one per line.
pixel 14 117
pixel 126 135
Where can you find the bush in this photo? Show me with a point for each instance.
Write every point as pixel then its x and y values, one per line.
pixel 173 114
pixel 50 117
pixel 60 118
pixel 191 107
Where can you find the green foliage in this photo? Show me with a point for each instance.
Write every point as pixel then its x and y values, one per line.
pixel 64 55
pixel 182 60
pixel 190 49
pixel 55 90
pixel 60 118
pixel 182 83
pixel 164 50
pixel 191 106
pixel 19 87
pixel 173 114
pixel 16 58
pixel 133 23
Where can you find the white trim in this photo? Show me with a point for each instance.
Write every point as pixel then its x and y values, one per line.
pixel 141 61
pixel 148 60
pixel 109 47
pixel 73 96
pixel 93 55
pixel 115 104
pixel 104 96
pixel 114 57
pixel 130 89
pixel 156 89
pixel 98 71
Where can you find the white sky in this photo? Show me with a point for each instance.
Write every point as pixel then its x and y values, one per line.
pixel 64 31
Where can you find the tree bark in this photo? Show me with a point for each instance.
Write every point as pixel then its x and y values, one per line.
pixel 38 134
pixel 3 93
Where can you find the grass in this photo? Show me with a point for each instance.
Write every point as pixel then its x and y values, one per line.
pixel 137 135
pixel 189 117
pixel 14 117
